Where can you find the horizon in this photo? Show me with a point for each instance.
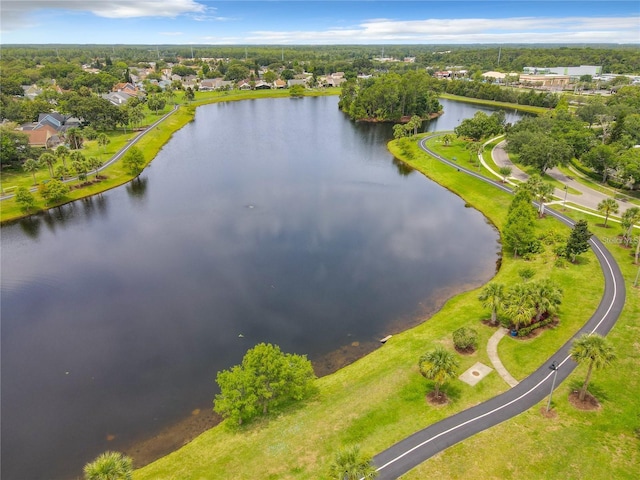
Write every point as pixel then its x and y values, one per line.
pixel 319 23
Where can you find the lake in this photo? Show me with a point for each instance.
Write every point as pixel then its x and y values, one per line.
pixel 272 220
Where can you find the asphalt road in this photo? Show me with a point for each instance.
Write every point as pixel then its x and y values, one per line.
pixel 410 452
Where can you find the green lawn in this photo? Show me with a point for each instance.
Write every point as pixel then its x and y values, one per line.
pixel 493 103
pixel 379 399
pixel 603 444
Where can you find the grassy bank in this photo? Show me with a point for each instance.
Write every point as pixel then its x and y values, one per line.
pixel 150 144
pixel 493 103
pixel 380 399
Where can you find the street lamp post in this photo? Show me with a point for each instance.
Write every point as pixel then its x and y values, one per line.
pixel 553 367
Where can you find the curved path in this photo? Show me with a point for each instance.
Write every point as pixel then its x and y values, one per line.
pixel 420 446
pixel 118 155
pixel 589 197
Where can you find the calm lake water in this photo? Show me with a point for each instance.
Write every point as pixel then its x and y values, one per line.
pixel 262 221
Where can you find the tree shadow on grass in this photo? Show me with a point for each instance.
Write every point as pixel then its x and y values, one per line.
pixel 594 389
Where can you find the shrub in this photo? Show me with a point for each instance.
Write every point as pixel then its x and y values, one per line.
pixel 523 332
pixel 465 338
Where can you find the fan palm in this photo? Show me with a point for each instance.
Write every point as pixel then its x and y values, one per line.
pixel 350 464
pixel 594 350
pixel 607 207
pixel 492 296
pixel 438 365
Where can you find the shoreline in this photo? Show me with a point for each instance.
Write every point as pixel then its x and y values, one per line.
pixel 172 437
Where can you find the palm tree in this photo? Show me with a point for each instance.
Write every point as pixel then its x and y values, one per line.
pixel 350 464
pixel 49 160
pixel 630 217
pixel 438 365
pixel 95 163
pixel 544 193
pixel 505 172
pixel 594 350
pixel 109 466
pixel 61 153
pixel 607 207
pixel 31 166
pixel 103 141
pixel 446 140
pixel 519 305
pixel 546 296
pixel 492 296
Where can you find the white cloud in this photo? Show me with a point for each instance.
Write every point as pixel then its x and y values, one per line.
pixel 476 30
pixel 16 14
pixel 171 34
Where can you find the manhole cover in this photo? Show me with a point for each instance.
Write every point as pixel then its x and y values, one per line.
pixel 475 373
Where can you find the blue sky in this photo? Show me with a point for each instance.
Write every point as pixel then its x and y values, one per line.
pixel 323 22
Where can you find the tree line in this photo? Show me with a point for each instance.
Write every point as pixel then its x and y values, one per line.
pixel 390 97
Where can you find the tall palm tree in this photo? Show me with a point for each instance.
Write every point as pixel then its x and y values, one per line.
pixel 544 193
pixel 629 218
pixel 31 166
pixel 61 153
pixel 103 141
pixel 607 207
pixel 109 466
pixel 49 160
pixel 438 365
pixel 492 296
pixel 594 350
pixel 519 305
pixel 350 464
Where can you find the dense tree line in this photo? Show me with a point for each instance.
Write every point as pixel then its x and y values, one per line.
pixel 391 96
pixel 489 91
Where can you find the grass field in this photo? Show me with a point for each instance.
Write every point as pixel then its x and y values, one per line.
pixel 493 103
pixel 380 399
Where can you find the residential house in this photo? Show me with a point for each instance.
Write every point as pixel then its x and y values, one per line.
pixel 117 98
pixel 280 84
pixel 261 85
pixel 44 137
pixel 128 88
pixel 31 91
pixel 243 85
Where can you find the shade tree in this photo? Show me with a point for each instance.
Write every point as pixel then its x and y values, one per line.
pixel 265 379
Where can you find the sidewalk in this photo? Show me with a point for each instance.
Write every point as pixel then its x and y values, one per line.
pixel 492 351
pixel 590 198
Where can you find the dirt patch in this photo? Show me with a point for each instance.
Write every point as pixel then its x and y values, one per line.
pixel 548 414
pixel 589 403
pixel 487 323
pixel 173 437
pixel 440 400
pixel 466 351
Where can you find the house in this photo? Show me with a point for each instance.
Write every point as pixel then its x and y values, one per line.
pixel 44 136
pixel 261 85
pixel 210 84
pixel 335 79
pixel 243 85
pixel 280 83
pixel 128 88
pixel 31 91
pixel 117 98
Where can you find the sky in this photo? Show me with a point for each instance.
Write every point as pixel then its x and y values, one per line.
pixel 297 22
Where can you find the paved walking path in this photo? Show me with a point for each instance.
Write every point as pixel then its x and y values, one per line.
pixel 415 449
pixel 590 198
pixel 492 351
